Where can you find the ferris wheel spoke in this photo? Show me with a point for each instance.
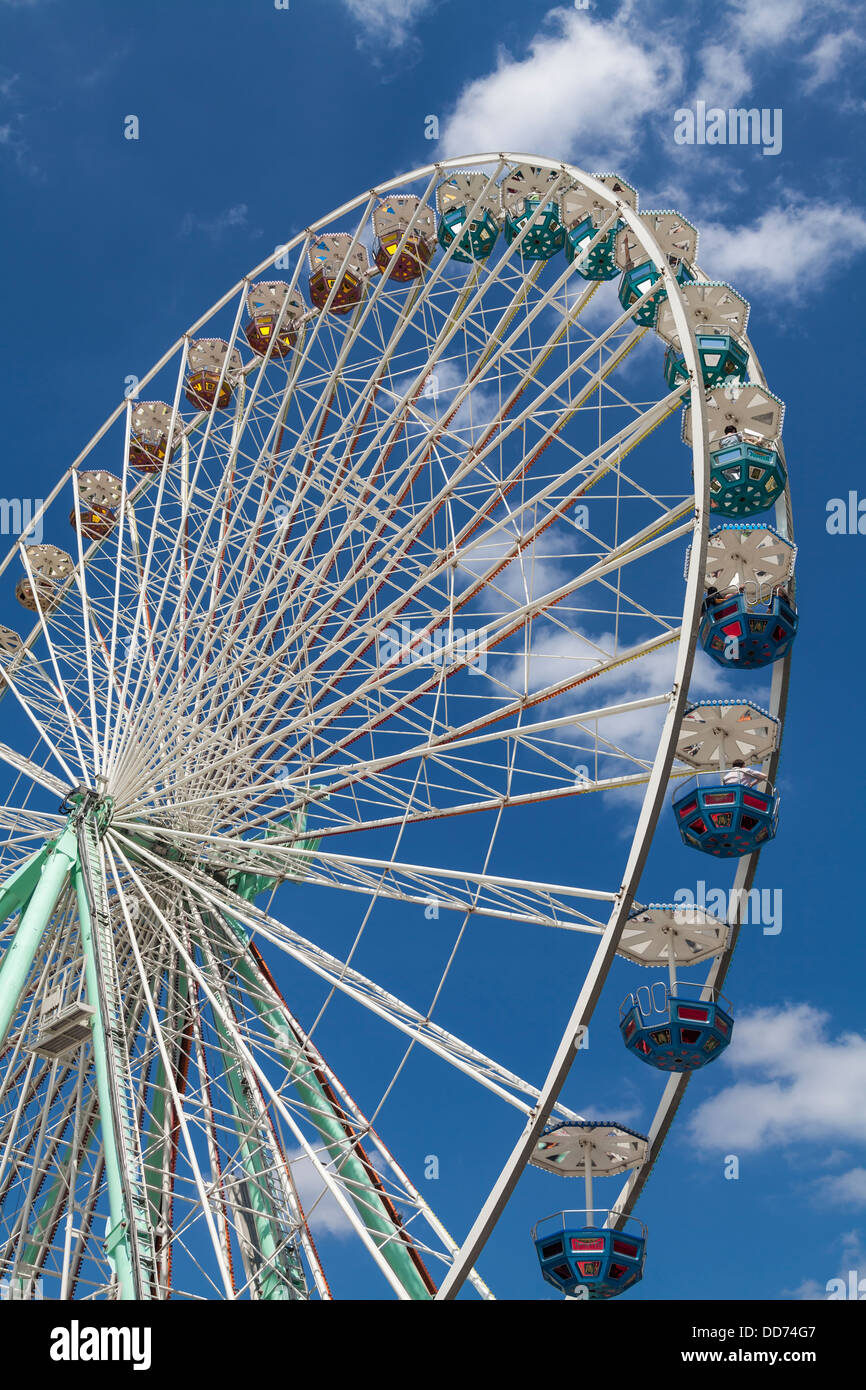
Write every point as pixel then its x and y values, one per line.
pixel 558 335
pixel 214 638
pixel 456 741
pixel 46 698
pixel 244 1052
pixel 477 456
pixel 124 701
pixel 82 1112
pixel 511 898
pixel 338 974
pixel 51 744
pixel 26 1243
pixel 168 1074
pixel 636 548
pixel 651 424
pixel 40 776
pixel 233 338
pixel 81 580
pixel 510 711
pixel 300 1052
pixel 633 550
pixel 391 614
pixel 37 1242
pixel 437 429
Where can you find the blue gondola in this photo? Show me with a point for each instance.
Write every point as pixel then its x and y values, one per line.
pixel 476 240
pixel 735 632
pixel 638 280
pixel 600 264
pixel 679 1034
pixel 722 358
pixel 545 237
pixel 576 1255
pixel 725 820
pixel 746 477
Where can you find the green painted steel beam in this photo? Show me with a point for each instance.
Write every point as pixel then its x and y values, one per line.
pixel 276 1281
pixel 51 872
pixel 320 1110
pixel 315 1100
pixel 18 886
pixel 249 885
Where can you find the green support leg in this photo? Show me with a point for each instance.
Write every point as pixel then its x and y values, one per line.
pixel 371 1208
pixel 44 876
pixel 18 886
pixel 282 1277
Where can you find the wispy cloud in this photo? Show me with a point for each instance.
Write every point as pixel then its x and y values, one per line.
pixel 388 21
pixel 724 76
pixel 789 247
pixel 846 1189
pixel 830 56
pixel 214 227
pixel 92 77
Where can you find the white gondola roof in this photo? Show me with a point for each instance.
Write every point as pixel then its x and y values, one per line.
pixel 696 935
pixel 739 407
pixel 716 734
pixel 612 1148
pixel 739 555
pixel 714 308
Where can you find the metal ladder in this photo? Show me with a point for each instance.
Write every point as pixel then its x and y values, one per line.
pixel 123 1105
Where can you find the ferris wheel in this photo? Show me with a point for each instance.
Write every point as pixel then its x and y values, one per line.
pixel 384 558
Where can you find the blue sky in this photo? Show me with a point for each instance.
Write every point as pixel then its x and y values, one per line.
pixel 253 122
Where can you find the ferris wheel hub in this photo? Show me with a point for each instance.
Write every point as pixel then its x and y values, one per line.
pixel 84 801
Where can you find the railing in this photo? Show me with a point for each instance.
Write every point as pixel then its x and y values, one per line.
pixel 713 781
pixel 754 594
pixel 613 1219
pixel 653 1001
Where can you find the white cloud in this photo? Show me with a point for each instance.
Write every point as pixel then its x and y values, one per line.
pixel 809 1291
pixel 789 247
pixel 582 91
pixel 768 22
pixel 828 57
pixel 321 1208
pixel 848 1188
pixel 797 1085
pixel 387 20
pixel 724 77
